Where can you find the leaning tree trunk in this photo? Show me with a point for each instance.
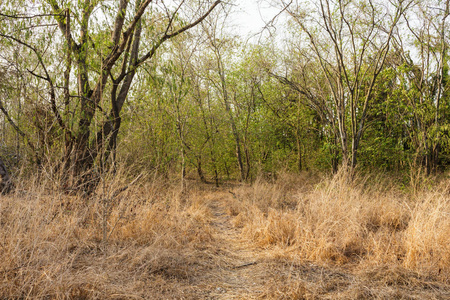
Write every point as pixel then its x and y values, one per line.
pixel 86 150
pixel 5 179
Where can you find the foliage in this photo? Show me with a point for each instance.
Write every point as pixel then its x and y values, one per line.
pixel 205 103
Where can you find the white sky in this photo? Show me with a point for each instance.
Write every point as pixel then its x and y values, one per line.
pixel 252 16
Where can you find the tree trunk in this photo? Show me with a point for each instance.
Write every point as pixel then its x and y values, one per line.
pixel 200 170
pixel 355 145
pixel 234 129
pixel 335 154
pixel 299 153
pixel 5 183
pixel 183 168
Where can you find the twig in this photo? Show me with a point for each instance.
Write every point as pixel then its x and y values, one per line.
pixel 115 194
pixel 234 195
pixel 122 189
pixel 12 269
pixel 245 265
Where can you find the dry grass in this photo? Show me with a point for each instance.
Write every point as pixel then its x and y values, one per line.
pixel 53 245
pixel 363 226
pixel 310 238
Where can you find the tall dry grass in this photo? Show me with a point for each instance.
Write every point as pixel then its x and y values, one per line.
pixel 364 223
pixel 53 245
pixel 153 241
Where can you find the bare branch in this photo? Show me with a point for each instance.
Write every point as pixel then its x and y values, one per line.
pixel 179 31
pixel 46 78
pixel 29 17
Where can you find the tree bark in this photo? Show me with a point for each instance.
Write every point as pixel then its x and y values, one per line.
pixel 5 183
pixel 234 129
pixel 85 147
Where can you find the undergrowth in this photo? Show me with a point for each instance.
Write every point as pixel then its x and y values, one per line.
pixel 361 222
pixel 151 240
pixel 134 245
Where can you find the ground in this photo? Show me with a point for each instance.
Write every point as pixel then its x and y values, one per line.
pixel 290 239
pixel 240 270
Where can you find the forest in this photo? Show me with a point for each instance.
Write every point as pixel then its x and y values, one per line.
pixel 154 149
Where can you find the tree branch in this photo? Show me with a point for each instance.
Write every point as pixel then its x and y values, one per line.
pixel 169 36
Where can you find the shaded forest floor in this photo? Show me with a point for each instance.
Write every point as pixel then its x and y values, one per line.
pixel 296 238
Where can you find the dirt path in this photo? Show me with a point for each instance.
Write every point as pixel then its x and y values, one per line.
pixel 239 273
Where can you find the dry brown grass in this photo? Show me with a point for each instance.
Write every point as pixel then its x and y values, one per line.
pixel 305 238
pixel 361 225
pixel 52 244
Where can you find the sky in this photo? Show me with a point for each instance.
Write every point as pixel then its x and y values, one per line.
pixel 252 16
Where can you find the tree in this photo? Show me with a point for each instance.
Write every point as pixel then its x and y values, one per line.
pixel 218 43
pixel 425 79
pixel 350 41
pixel 304 77
pixel 5 180
pixel 104 45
